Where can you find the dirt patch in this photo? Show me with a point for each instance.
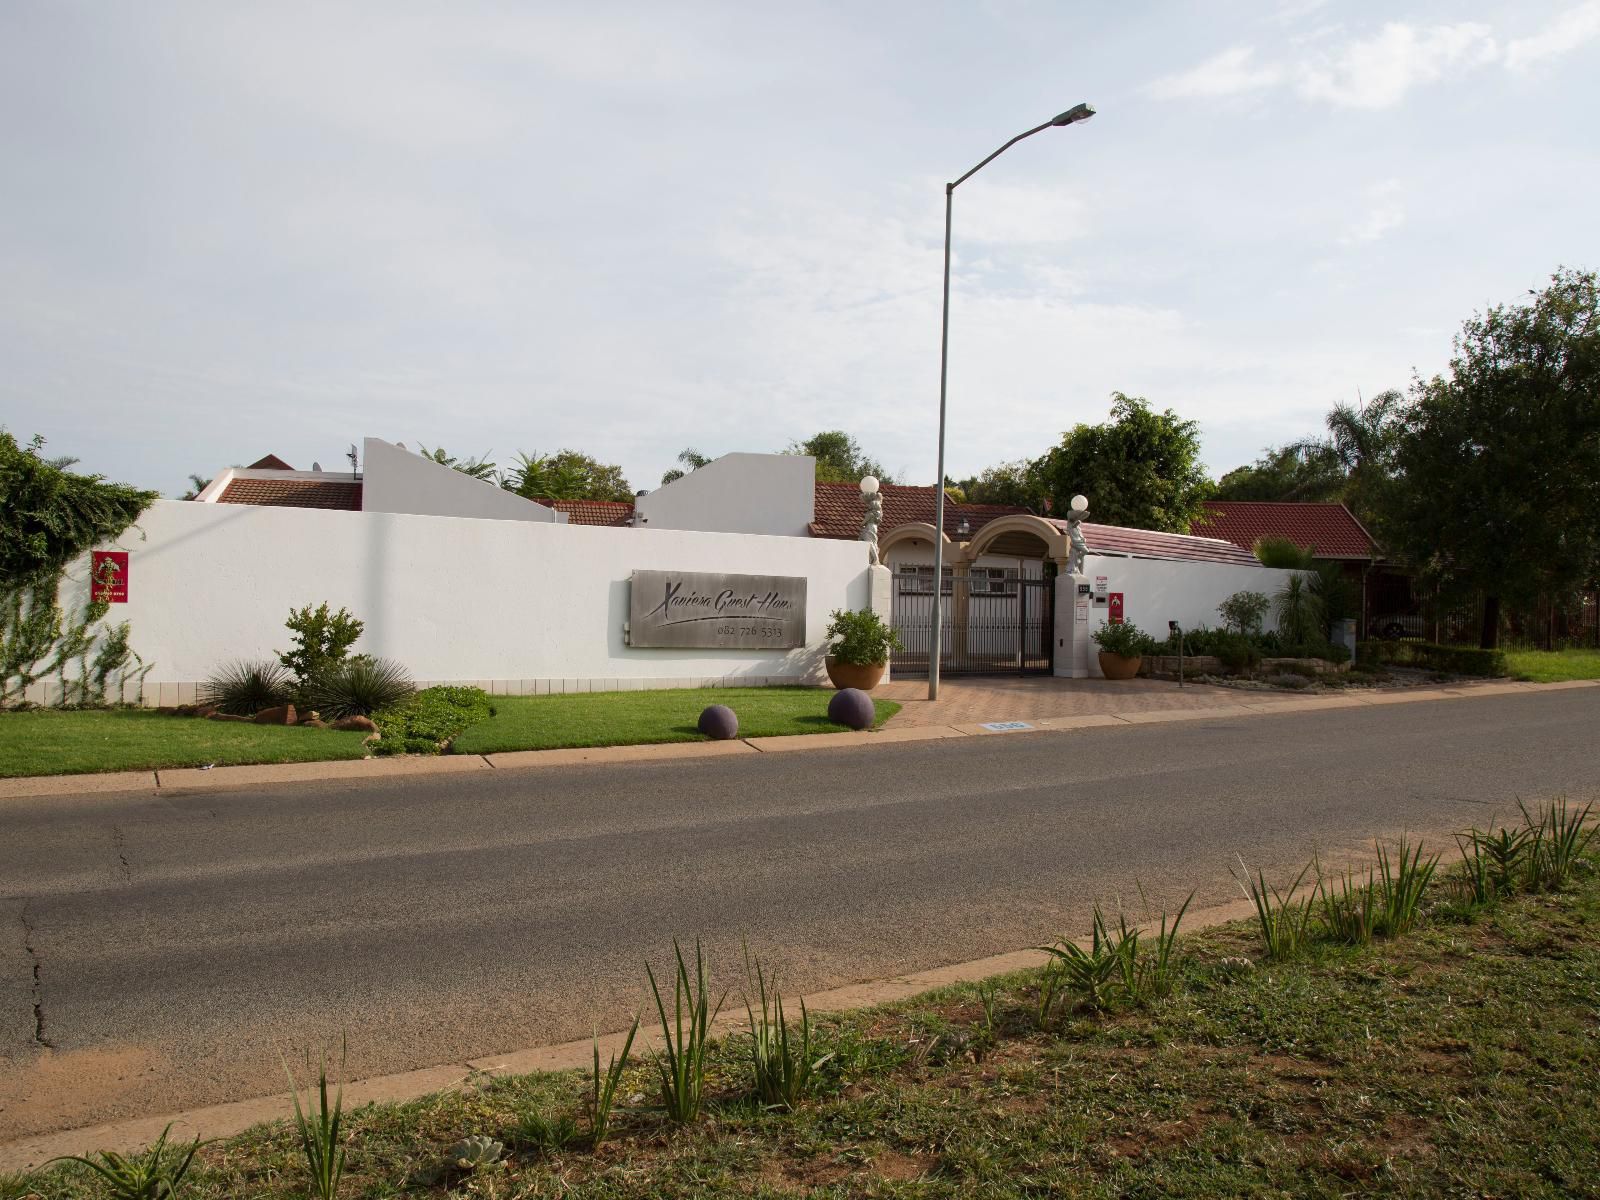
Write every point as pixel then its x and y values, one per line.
pixel 52 1090
pixel 899 1168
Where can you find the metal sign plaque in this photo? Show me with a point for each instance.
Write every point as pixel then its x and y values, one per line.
pixel 730 612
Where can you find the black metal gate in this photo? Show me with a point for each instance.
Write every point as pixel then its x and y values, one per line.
pixel 993 623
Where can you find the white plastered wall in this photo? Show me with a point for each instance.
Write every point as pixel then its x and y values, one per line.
pixel 738 493
pixel 515 607
pixel 394 480
pixel 1154 591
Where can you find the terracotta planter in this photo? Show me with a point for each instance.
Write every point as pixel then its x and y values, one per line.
pixel 1119 666
pixel 851 675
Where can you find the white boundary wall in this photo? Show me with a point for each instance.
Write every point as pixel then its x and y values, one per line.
pixel 515 607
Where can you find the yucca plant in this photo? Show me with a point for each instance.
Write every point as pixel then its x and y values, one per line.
pixel 1158 967
pixel 780 1067
pixel 1563 836
pixel 682 1061
pixel 1107 968
pixel 1049 985
pixel 1350 908
pixel 245 687
pixel 1506 854
pixel 1285 923
pixel 1402 886
pixel 321 1137
pixel 1476 879
pixel 603 1094
pixel 358 687
pixel 152 1175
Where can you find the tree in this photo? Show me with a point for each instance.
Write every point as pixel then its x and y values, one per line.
pixel 1283 473
pixel 839 458
pixel 1014 483
pixel 477 468
pixel 197 484
pixel 1140 469
pixel 565 475
pixel 690 458
pixel 1497 486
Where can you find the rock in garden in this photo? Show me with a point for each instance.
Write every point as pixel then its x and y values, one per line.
pixel 364 724
pixel 282 715
pixel 222 716
pixel 204 710
pixel 852 708
pixel 313 723
pixel 720 722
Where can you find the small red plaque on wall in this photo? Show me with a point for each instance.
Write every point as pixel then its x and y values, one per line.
pixel 1116 608
pixel 110 575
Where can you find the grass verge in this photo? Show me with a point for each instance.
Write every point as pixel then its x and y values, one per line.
pixel 68 742
pixel 1553 666
pixel 1459 1059
pixel 635 718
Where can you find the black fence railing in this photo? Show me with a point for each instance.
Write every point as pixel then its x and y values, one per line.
pixel 990 625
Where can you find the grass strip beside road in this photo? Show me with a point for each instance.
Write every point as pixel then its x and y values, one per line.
pixel 47 741
pixel 1553 666
pixel 1459 1059
pixel 638 718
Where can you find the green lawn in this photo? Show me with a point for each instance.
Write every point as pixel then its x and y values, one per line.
pixel 55 742
pixel 1553 666
pixel 634 718
pixel 1460 1059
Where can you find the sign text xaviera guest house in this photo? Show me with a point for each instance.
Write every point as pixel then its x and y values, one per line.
pixel 730 612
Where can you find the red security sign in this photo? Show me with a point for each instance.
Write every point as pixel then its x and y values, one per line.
pixel 110 575
pixel 1116 608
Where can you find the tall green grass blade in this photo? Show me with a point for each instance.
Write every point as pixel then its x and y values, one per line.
pixel 321 1136
pixel 603 1096
pixel 681 1063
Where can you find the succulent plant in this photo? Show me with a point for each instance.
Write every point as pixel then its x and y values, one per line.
pixel 476 1151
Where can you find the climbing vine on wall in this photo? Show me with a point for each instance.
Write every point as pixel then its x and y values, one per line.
pixel 50 517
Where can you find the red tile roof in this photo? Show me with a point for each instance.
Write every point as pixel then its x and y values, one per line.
pixel 1330 530
pixel 294 493
pixel 1147 543
pixel 840 510
pixel 270 463
pixel 593 512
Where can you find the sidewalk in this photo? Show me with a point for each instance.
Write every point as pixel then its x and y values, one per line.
pixel 1030 698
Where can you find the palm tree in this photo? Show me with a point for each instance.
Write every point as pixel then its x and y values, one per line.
pixel 476 468
pixel 690 458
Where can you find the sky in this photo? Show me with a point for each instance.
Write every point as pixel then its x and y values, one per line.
pixel 231 229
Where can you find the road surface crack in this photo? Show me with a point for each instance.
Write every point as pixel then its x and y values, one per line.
pixel 38 991
pixel 120 844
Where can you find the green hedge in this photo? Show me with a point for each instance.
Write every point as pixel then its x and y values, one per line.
pixel 1454 660
pixel 425 722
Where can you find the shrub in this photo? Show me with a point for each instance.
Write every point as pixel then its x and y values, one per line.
pixel 780 1064
pixel 152 1175
pixel 1238 654
pixel 1280 552
pixel 1243 611
pixel 427 721
pixel 244 688
pixel 1427 656
pixel 1125 638
pixel 1289 679
pixel 1299 612
pixel 321 640
pixel 860 639
pixel 1284 922
pixel 359 686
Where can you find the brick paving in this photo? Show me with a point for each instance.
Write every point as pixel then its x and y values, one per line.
pixel 969 701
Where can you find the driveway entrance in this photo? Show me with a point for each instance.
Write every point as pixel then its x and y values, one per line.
pixel 991 624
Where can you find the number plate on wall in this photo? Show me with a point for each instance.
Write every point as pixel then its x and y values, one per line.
pixel 730 612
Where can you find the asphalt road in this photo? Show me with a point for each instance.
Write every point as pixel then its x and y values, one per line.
pixel 161 950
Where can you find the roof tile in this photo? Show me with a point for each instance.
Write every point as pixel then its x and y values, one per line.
pixel 1329 529
pixel 294 493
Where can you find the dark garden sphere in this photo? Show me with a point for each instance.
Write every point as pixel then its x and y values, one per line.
pixel 852 708
pixel 719 721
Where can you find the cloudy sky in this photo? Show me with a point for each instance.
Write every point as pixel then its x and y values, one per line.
pixel 231 228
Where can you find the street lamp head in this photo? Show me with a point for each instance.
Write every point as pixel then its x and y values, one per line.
pixel 1080 504
pixel 1078 112
pixel 869 485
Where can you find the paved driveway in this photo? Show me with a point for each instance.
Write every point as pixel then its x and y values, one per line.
pixel 969 700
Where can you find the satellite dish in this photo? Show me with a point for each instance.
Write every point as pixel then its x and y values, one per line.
pixel 402 445
pixel 316 466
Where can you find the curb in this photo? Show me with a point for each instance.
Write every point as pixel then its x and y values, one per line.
pixel 217 778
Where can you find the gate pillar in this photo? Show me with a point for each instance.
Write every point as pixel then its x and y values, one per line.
pixel 1074 657
pixel 879 598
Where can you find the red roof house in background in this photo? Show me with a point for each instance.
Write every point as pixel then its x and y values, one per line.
pixel 1329 531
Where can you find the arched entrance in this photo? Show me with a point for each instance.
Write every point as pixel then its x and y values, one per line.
pixel 997 599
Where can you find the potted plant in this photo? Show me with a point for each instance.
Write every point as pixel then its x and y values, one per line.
pixel 1122 648
pixel 859 646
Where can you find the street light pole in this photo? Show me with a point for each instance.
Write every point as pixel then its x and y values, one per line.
pixel 1079 112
